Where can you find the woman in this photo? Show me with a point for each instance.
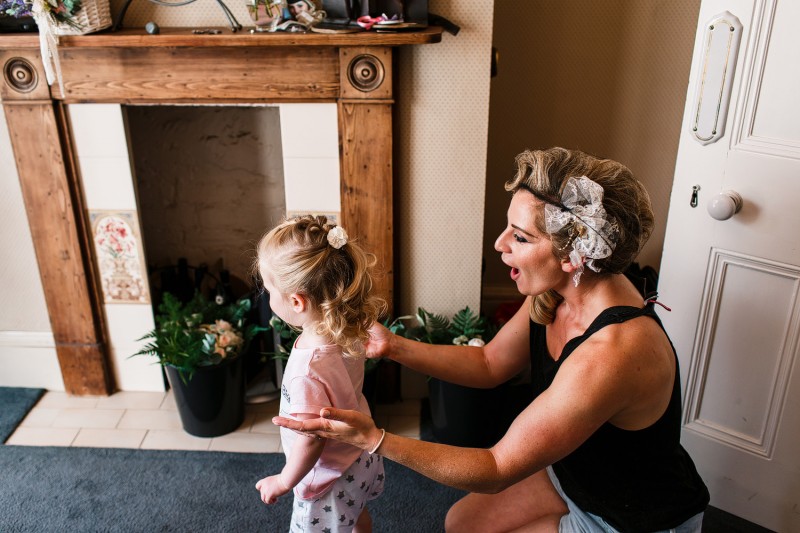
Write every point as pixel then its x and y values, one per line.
pixel 598 448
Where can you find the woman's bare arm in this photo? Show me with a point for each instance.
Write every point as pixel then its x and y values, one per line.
pixel 472 366
pixel 591 387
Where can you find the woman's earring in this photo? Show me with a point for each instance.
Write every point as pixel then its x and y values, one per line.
pixel 576 260
pixel 576 279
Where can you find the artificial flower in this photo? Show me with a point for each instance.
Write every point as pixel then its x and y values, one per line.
pixel 337 237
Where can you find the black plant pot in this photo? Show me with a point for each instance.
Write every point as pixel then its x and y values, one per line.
pixel 463 416
pixel 474 418
pixel 370 389
pixel 211 403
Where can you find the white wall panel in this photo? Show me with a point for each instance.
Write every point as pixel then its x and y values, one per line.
pixel 27 350
pixel 102 149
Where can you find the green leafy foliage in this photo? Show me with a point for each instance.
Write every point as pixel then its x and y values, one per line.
pixel 468 324
pixel 285 335
pixel 428 327
pixel 190 335
pixel 438 329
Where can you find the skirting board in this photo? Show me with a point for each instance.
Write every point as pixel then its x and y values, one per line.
pixel 28 359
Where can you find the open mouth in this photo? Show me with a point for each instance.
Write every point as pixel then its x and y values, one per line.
pixel 514 273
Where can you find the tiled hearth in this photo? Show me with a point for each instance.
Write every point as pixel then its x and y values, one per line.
pixel 149 420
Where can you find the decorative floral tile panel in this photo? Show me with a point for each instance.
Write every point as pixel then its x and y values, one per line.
pixel 120 256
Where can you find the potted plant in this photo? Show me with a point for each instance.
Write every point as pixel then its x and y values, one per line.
pixel 465 416
pixel 200 345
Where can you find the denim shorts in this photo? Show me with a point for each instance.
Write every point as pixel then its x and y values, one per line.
pixel 579 521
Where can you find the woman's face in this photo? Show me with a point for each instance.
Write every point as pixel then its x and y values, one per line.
pixel 526 250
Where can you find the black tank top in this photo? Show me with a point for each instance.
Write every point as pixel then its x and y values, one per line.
pixel 635 480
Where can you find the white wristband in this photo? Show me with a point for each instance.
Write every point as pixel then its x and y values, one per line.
pixel 380 441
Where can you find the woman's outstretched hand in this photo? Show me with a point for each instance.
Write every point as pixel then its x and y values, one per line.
pixel 351 427
pixel 377 346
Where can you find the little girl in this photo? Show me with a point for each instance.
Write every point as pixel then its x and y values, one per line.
pixel 320 282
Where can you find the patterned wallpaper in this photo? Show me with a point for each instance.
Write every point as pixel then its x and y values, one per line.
pixel 442 120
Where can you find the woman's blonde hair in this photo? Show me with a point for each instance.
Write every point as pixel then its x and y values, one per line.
pixel 544 173
pixel 336 281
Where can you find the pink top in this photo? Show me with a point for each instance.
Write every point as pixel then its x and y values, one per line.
pixel 315 378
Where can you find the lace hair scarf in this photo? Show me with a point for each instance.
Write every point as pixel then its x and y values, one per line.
pixel 591 235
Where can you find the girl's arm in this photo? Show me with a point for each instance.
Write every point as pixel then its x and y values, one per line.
pixel 305 454
pixel 471 366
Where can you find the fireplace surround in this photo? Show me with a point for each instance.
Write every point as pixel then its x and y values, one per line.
pixel 353 72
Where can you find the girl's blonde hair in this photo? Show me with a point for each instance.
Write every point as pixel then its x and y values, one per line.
pixel 336 282
pixel 544 173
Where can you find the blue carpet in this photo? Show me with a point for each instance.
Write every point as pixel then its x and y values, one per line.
pixel 123 490
pixel 110 490
pixel 15 402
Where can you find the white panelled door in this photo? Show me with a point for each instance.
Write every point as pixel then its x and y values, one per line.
pixel 734 285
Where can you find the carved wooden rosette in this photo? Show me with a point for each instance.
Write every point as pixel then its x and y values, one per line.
pixel 20 75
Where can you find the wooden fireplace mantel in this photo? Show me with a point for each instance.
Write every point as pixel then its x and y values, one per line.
pixel 176 66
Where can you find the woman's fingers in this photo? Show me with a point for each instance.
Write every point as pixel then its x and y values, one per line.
pixel 341 415
pixel 310 425
pixel 376 345
pixel 344 425
pixel 318 424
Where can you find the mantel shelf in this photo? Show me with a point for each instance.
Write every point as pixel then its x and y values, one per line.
pixel 183 37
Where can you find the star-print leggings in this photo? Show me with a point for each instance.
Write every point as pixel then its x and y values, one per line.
pixel 337 510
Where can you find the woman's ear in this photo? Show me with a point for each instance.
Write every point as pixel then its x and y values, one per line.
pixel 569 265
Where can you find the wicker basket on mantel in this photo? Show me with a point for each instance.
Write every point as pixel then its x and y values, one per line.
pixel 94 15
